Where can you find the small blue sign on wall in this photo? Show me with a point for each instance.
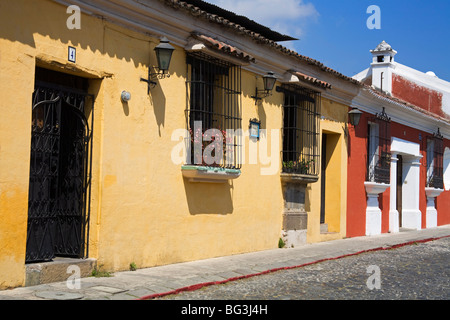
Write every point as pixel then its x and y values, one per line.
pixel 255 126
pixel 72 54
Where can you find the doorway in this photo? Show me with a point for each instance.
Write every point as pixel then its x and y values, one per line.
pixel 323 170
pixel 399 188
pixel 405 194
pixel 330 201
pixel 60 167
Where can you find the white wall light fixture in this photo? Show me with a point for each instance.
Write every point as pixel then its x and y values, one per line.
pixel 125 96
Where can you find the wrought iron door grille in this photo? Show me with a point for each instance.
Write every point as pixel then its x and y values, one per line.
pixel 379 149
pixel 60 173
pixel 435 161
pixel 301 130
pixel 214 102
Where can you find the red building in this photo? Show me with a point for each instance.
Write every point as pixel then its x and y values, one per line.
pixel 399 153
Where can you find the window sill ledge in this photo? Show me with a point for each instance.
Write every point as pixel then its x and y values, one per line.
pixel 374 188
pixel 298 178
pixel 433 192
pixel 209 174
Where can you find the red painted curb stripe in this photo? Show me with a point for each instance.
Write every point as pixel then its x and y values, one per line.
pixel 206 284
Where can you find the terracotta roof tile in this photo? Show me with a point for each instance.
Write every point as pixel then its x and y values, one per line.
pixel 231 18
pixel 223 47
pixel 312 80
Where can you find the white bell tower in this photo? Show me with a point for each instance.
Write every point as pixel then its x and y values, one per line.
pixel 382 66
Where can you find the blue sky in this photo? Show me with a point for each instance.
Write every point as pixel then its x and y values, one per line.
pixel 336 33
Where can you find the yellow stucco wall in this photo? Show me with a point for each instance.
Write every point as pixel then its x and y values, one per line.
pixel 333 123
pixel 16 61
pixel 149 214
pixel 142 209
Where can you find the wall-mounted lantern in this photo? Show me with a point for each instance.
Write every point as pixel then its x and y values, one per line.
pixel 164 53
pixel 438 134
pixel 354 117
pixel 269 82
pixel 254 128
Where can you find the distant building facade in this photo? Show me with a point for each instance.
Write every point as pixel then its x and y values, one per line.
pixel 399 153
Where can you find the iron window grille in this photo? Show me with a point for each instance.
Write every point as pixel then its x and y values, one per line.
pixel 301 126
pixel 435 156
pixel 379 149
pixel 214 102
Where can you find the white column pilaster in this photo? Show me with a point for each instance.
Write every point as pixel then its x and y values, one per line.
pixel 373 212
pixel 393 213
pixel 431 215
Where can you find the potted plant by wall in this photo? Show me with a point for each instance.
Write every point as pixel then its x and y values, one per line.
pixel 299 167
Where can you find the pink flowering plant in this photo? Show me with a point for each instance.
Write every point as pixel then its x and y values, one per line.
pixel 210 146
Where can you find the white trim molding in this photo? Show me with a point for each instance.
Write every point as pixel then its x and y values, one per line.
pixel 411 214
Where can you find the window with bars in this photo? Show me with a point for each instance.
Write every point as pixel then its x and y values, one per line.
pixel 435 163
pixel 214 111
pixel 301 116
pixel 378 149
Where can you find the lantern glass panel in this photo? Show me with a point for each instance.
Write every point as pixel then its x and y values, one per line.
pixel 269 81
pixel 164 54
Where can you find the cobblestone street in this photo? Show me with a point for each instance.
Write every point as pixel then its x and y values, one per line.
pixel 413 272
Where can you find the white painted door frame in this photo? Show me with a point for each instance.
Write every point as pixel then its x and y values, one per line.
pixel 411 214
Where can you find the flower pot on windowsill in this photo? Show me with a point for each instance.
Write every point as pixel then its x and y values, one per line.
pixel 209 174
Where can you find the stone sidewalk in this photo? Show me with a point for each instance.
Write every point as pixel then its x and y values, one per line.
pixel 158 281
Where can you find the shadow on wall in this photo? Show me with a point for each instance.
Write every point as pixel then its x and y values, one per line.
pixel 50 19
pixel 209 198
pixel 159 105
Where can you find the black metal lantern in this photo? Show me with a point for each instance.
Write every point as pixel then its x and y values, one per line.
pixel 269 82
pixel 164 54
pixel 354 117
